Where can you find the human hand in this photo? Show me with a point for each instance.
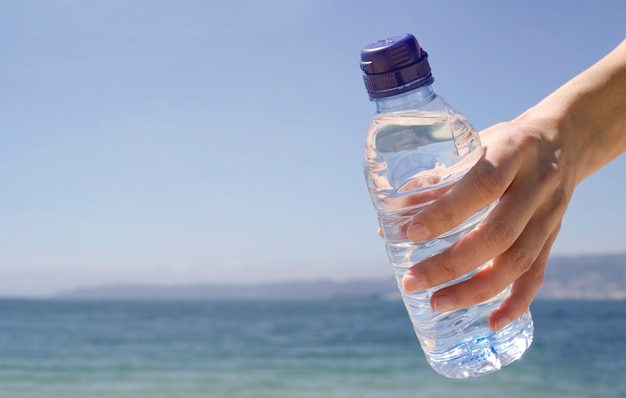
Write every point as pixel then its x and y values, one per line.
pixel 531 164
pixel 526 167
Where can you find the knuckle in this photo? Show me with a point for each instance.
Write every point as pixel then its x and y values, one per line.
pixel 447 214
pixel 447 271
pixel 525 289
pixel 536 276
pixel 488 180
pixel 528 141
pixel 550 174
pixel 522 303
pixel 519 261
pixel 482 295
pixel 502 234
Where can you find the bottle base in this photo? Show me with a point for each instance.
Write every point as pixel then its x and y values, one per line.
pixel 486 353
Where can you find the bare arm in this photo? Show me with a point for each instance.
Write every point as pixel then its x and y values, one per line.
pixel 532 164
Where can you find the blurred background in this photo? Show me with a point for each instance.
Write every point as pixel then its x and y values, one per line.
pixel 175 142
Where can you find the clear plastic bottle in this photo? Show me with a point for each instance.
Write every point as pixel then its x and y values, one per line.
pixel 417 148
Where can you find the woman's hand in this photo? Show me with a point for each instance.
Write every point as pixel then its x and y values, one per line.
pixel 532 165
pixel 524 167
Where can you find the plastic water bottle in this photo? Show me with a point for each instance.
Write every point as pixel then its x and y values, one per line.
pixel 417 148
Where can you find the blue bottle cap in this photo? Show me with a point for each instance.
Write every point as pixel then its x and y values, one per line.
pixel 394 65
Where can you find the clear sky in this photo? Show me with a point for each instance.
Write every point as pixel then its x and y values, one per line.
pixel 222 141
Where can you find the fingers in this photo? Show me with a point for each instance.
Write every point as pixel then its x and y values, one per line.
pixel 521 170
pixel 523 291
pixel 482 185
pixel 523 264
pixel 497 233
pixel 518 235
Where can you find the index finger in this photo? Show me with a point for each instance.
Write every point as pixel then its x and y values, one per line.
pixel 483 184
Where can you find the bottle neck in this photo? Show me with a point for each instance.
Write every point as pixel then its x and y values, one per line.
pixel 410 100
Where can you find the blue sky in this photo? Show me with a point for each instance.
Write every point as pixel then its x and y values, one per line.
pixel 192 141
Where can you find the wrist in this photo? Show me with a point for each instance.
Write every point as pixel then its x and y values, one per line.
pixel 587 115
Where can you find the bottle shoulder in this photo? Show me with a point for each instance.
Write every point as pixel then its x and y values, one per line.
pixel 433 125
pixel 411 155
pixel 427 101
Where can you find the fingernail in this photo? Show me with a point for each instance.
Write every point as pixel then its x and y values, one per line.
pixel 418 232
pixel 442 304
pixel 412 283
pixel 501 323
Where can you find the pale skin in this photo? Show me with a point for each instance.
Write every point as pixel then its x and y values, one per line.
pixel 532 164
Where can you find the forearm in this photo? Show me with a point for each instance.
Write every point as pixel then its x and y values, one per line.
pixel 590 111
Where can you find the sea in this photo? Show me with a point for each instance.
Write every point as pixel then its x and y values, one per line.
pixel 287 349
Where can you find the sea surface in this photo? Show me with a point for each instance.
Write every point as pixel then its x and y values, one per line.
pixel 274 349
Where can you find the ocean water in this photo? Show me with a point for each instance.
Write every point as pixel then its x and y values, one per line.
pixel 276 349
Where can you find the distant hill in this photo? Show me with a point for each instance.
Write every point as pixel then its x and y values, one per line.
pixel 318 289
pixel 597 277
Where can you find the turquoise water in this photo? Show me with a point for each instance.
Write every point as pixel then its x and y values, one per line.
pixel 277 349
